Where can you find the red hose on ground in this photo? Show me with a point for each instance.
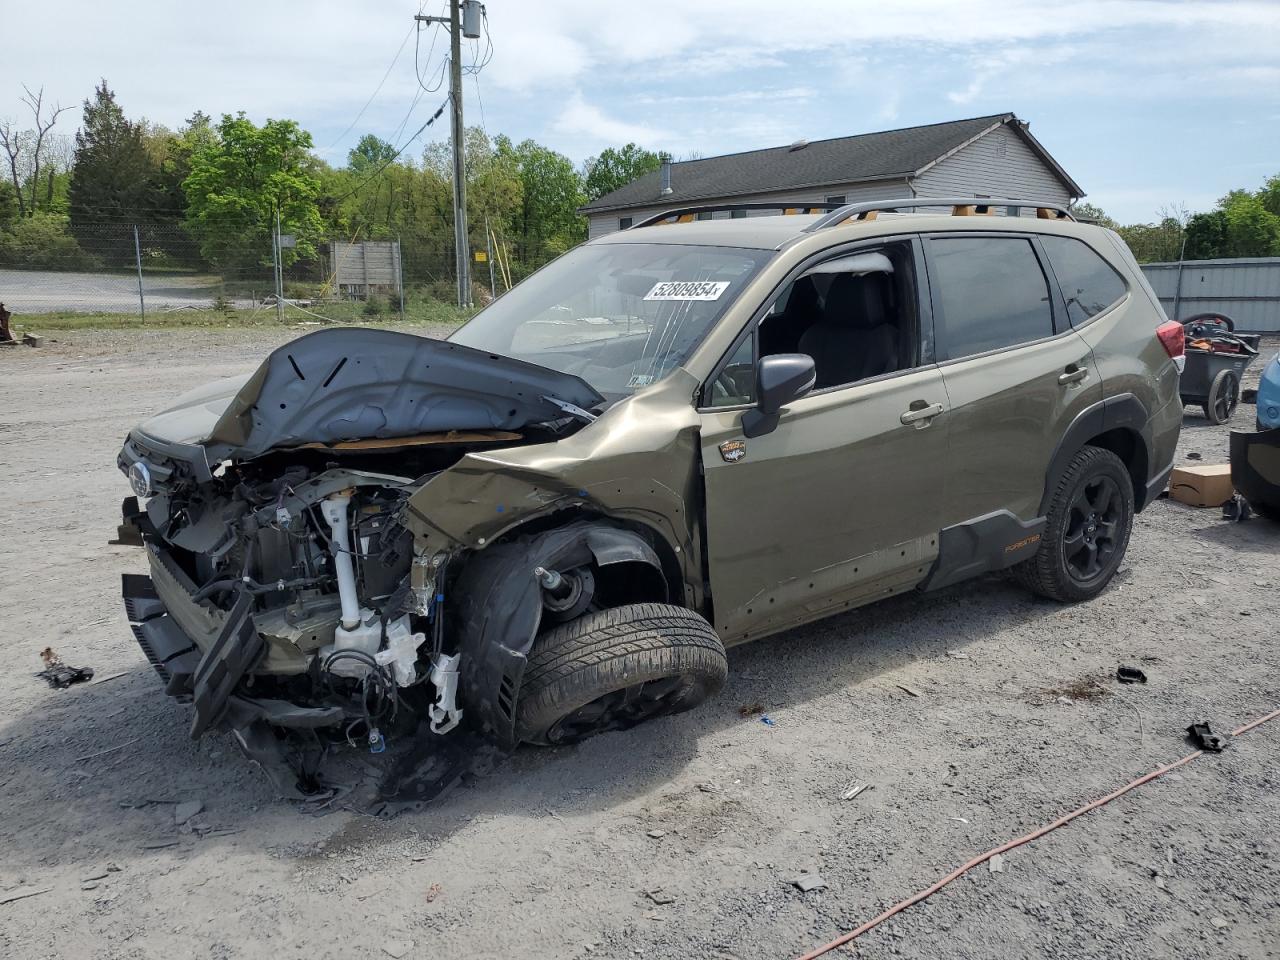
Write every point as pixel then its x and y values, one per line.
pixel 1034 835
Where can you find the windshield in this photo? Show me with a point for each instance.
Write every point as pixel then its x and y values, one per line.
pixel 618 315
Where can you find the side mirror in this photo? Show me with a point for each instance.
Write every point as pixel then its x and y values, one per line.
pixel 780 379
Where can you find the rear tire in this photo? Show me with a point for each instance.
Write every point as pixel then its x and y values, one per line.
pixel 1089 520
pixel 1224 396
pixel 615 668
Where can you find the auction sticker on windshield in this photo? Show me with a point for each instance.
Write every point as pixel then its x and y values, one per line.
pixel 688 290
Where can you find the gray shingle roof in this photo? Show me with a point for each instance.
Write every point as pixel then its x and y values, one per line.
pixel 868 156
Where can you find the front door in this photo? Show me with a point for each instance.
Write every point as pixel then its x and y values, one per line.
pixel 841 501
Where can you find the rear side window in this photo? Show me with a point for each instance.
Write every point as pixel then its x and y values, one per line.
pixel 1089 284
pixel 992 293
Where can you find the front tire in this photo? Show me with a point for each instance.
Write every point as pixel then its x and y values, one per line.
pixel 615 668
pixel 1089 520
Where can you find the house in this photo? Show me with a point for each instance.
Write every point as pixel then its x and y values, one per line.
pixel 992 156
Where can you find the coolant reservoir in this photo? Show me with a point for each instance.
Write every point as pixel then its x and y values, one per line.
pixel 400 652
pixel 365 637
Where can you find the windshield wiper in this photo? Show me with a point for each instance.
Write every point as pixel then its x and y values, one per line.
pixel 572 409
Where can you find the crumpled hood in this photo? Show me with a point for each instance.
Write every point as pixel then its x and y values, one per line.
pixel 354 383
pixel 193 415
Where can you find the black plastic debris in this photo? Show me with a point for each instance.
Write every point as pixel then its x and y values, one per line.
pixel 57 674
pixel 1236 509
pixel 1204 738
pixel 1130 674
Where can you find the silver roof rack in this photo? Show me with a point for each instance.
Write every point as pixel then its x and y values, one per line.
pixel 960 207
pixel 690 213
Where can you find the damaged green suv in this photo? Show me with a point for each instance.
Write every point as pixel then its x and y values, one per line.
pixel 673 439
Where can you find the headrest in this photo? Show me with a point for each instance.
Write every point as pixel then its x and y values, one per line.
pixel 857 302
pixel 804 296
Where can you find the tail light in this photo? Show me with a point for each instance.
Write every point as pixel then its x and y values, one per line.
pixel 1173 338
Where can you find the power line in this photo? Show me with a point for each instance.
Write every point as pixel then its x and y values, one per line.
pixel 392 159
pixel 376 90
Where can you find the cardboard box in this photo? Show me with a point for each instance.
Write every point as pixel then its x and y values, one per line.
pixel 1202 486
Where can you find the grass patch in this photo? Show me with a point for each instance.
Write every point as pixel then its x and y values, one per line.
pixel 416 313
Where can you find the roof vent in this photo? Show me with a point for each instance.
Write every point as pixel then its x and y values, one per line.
pixel 665 176
pixel 798 145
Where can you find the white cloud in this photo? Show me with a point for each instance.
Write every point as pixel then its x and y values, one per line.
pixel 589 123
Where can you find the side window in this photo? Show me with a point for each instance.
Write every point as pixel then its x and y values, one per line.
pixel 624 222
pixel 736 383
pixel 855 314
pixel 1089 284
pixel 992 293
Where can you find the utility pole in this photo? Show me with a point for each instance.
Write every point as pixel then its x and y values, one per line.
pixel 463 19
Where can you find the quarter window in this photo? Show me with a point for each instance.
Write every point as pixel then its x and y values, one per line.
pixel 992 293
pixel 1089 284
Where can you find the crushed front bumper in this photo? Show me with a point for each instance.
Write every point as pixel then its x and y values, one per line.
pixel 202 653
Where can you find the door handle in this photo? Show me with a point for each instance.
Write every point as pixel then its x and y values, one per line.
pixel 1074 374
pixel 922 412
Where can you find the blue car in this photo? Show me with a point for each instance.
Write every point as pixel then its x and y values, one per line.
pixel 1269 396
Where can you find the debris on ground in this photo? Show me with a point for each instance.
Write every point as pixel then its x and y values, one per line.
pixel 1130 674
pixel 1203 737
pixel 57 674
pixel 957 655
pixel 397 948
pixel 749 710
pixel 767 720
pixel 657 834
pixel 433 891
pixel 660 897
pixel 1237 509
pixel 996 863
pixel 184 811
pixel 907 690
pixel 853 788
pixel 22 893
pixel 807 881
pixel 101 873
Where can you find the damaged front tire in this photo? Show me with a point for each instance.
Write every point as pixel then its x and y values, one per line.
pixel 615 668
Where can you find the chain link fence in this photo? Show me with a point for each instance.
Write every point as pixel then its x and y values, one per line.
pixel 129 267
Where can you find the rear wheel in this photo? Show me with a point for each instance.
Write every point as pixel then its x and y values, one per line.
pixel 1224 395
pixel 615 668
pixel 1089 520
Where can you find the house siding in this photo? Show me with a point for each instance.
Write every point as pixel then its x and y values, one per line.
pixel 979 168
pixel 600 224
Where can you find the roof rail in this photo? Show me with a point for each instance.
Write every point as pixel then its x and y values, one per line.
pixel 687 214
pixel 960 207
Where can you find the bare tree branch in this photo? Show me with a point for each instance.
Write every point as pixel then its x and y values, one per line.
pixel 11 140
pixel 43 125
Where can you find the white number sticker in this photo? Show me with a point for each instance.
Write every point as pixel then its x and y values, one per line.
pixel 688 290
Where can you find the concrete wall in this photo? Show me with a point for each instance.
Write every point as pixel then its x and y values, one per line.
pixel 1246 290
pixel 602 223
pixel 998 164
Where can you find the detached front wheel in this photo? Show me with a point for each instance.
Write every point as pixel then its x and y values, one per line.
pixel 1089 520
pixel 615 668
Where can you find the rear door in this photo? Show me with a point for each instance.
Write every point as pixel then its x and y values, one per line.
pixel 1016 374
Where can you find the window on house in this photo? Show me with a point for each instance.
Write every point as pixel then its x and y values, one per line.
pixel 1089 284
pixel 838 198
pixel 737 214
pixel 990 293
pixel 624 222
pixel 705 215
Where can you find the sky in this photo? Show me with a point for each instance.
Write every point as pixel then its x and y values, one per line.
pixel 1147 104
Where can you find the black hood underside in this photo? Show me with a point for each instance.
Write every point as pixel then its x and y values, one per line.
pixel 355 383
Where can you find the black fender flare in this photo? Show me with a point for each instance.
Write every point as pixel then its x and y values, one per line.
pixel 498 608
pixel 1125 412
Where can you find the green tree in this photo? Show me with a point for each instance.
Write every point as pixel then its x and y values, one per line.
pixel 370 154
pixel 1207 236
pixel 548 222
pixel 112 174
pixel 616 167
pixel 1252 229
pixel 242 180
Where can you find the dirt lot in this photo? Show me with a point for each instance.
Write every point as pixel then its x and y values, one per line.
pixel 978 713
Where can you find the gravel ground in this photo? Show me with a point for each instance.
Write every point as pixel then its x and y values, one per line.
pixel 977 713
